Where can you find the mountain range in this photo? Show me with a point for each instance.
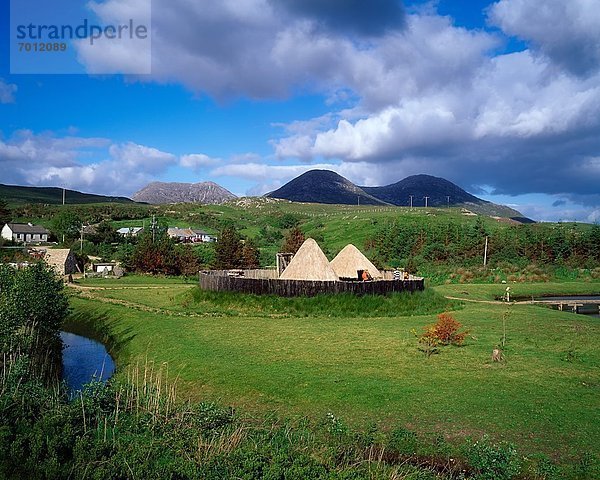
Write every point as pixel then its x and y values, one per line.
pixel 175 192
pixel 325 186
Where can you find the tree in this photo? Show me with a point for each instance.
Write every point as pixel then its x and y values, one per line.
pixel 229 249
pixel 5 213
pixel 250 255
pixel 68 224
pixel 104 232
pixel 155 255
pixel 187 260
pixel 293 240
pixel 33 305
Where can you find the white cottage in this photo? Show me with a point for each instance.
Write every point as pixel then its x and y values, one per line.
pixel 25 233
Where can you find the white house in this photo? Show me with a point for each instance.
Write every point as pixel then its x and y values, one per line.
pixel 189 235
pixel 130 231
pixel 203 236
pixel 25 233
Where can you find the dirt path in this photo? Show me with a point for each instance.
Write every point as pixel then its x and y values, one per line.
pixel 472 300
pixel 128 287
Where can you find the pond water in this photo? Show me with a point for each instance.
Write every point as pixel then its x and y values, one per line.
pixel 590 308
pixel 84 359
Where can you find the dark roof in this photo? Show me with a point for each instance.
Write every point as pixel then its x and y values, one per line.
pixel 27 228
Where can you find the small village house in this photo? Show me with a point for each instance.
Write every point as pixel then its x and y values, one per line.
pixel 189 235
pixel 204 236
pixel 130 231
pixel 25 233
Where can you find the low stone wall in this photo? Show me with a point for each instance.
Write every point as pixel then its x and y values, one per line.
pixel 221 281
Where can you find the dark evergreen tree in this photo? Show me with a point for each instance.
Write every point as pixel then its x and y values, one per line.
pixel 250 255
pixel 229 249
pixel 5 213
pixel 293 240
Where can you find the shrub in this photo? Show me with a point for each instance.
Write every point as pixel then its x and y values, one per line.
pixel 447 330
pixel 444 332
pixel 493 462
pixel 403 441
pixel 428 341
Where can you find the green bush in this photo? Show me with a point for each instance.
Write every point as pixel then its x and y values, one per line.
pixel 493 461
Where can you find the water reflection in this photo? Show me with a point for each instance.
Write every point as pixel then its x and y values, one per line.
pixel 84 359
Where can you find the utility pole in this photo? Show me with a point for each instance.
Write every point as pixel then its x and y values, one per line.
pixel 485 252
pixel 81 240
pixel 358 200
pixel 411 197
pixel 448 199
pixel 153 227
pixel 426 198
pixel 64 194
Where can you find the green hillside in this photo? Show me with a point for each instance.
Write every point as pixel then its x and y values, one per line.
pixel 17 195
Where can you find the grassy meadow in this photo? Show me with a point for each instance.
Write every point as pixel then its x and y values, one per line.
pixel 358 358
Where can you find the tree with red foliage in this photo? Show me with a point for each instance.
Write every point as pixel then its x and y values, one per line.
pixel 293 240
pixel 447 330
pixel 444 332
pixel 250 255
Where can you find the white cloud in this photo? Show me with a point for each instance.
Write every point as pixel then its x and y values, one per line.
pixel 197 161
pixel 270 177
pixel 7 92
pixel 567 32
pixel 429 98
pixel 72 162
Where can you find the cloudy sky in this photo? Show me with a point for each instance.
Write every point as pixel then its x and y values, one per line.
pixel 502 98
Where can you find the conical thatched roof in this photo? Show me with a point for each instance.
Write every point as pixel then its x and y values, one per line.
pixel 347 263
pixel 309 263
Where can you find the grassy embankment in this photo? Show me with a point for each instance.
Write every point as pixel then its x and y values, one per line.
pixel 358 359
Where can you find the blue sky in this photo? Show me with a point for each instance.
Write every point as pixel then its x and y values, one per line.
pixel 502 98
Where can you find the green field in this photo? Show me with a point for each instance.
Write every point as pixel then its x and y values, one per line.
pixel 363 364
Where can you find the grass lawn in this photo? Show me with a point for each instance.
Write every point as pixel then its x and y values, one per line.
pixel 264 355
pixel 518 291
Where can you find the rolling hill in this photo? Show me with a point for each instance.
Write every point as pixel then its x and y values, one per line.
pixel 17 195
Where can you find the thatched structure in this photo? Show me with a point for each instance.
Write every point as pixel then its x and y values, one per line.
pixel 350 261
pixel 309 263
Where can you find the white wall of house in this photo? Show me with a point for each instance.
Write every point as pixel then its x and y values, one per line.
pixel 104 268
pixel 7 232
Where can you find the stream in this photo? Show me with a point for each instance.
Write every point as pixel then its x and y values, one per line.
pixel 84 360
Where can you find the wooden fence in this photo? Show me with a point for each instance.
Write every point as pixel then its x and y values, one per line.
pixel 219 281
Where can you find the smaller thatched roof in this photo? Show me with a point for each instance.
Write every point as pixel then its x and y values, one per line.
pixel 350 260
pixel 309 263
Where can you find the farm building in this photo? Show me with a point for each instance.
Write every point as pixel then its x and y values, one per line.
pixel 350 264
pixel 25 233
pixel 62 260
